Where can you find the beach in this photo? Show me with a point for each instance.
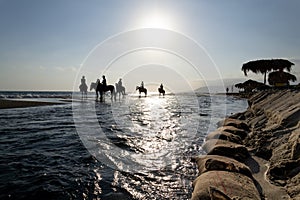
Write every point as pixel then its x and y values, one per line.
pixel 254 154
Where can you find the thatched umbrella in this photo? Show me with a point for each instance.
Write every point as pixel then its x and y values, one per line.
pixel 264 66
pixel 280 78
pixel 249 85
pixel 239 85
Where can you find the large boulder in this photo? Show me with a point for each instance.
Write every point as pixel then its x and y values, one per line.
pixel 284 170
pixel 224 185
pixel 233 122
pixel 236 131
pixel 285 159
pixel 221 163
pixel 293 187
pixel 224 135
pixel 226 148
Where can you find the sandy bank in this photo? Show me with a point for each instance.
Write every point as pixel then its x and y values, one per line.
pixel 4 103
pixel 254 154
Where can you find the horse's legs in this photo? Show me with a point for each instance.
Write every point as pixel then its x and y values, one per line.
pixel 101 96
pixel 97 95
pixel 111 94
pixel 114 93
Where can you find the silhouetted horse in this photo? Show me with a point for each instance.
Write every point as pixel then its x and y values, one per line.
pixel 144 90
pixel 161 91
pixel 101 89
pixel 120 90
pixel 83 89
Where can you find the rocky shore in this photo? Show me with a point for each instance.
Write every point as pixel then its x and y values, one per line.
pixel 254 154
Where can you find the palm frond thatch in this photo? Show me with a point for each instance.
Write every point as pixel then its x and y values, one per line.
pixel 281 77
pixel 239 85
pixel 264 66
pixel 249 85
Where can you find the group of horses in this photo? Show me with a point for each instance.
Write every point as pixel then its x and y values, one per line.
pixel 100 90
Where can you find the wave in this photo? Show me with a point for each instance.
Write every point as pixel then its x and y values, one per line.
pixel 33 94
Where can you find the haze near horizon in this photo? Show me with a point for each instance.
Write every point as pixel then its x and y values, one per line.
pixel 50 45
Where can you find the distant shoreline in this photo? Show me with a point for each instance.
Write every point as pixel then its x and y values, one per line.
pixel 6 104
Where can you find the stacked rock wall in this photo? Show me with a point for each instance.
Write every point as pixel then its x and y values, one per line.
pixel 264 137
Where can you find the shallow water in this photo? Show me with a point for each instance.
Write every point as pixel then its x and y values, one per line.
pixel 139 148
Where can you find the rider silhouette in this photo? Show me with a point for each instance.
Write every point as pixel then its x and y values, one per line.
pixel 142 84
pixel 120 83
pixel 104 81
pixel 161 86
pixel 83 80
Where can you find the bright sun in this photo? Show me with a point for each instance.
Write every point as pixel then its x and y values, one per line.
pixel 156 20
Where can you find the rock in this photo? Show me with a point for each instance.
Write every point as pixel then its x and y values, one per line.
pixel 239 116
pixel 258 122
pixel 224 185
pixel 226 148
pixel 295 142
pixel 217 194
pixel 284 161
pixel 223 135
pixel 235 123
pixel 293 187
pixel 236 131
pixel 272 133
pixel 283 170
pixel 215 162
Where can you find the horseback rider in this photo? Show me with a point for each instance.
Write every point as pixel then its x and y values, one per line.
pixel 83 87
pixel 97 82
pixel 83 81
pixel 161 86
pixel 142 85
pixel 120 83
pixel 104 81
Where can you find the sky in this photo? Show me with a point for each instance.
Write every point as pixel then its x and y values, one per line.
pixel 49 45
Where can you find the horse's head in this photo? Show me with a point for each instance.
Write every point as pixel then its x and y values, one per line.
pixel 137 87
pixel 92 86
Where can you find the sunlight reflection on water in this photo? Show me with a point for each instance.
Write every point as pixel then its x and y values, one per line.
pixel 149 140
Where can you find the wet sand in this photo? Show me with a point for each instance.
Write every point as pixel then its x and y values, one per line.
pixel 5 103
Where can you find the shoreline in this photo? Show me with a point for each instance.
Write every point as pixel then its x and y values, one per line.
pixel 9 103
pixel 254 154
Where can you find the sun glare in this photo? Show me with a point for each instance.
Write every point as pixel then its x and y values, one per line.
pixel 156 20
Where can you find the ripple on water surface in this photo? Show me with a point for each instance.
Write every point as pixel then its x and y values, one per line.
pixel 150 141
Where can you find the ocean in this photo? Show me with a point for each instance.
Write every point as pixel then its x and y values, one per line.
pixel 131 148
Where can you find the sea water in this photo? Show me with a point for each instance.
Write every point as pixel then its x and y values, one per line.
pixel 131 148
